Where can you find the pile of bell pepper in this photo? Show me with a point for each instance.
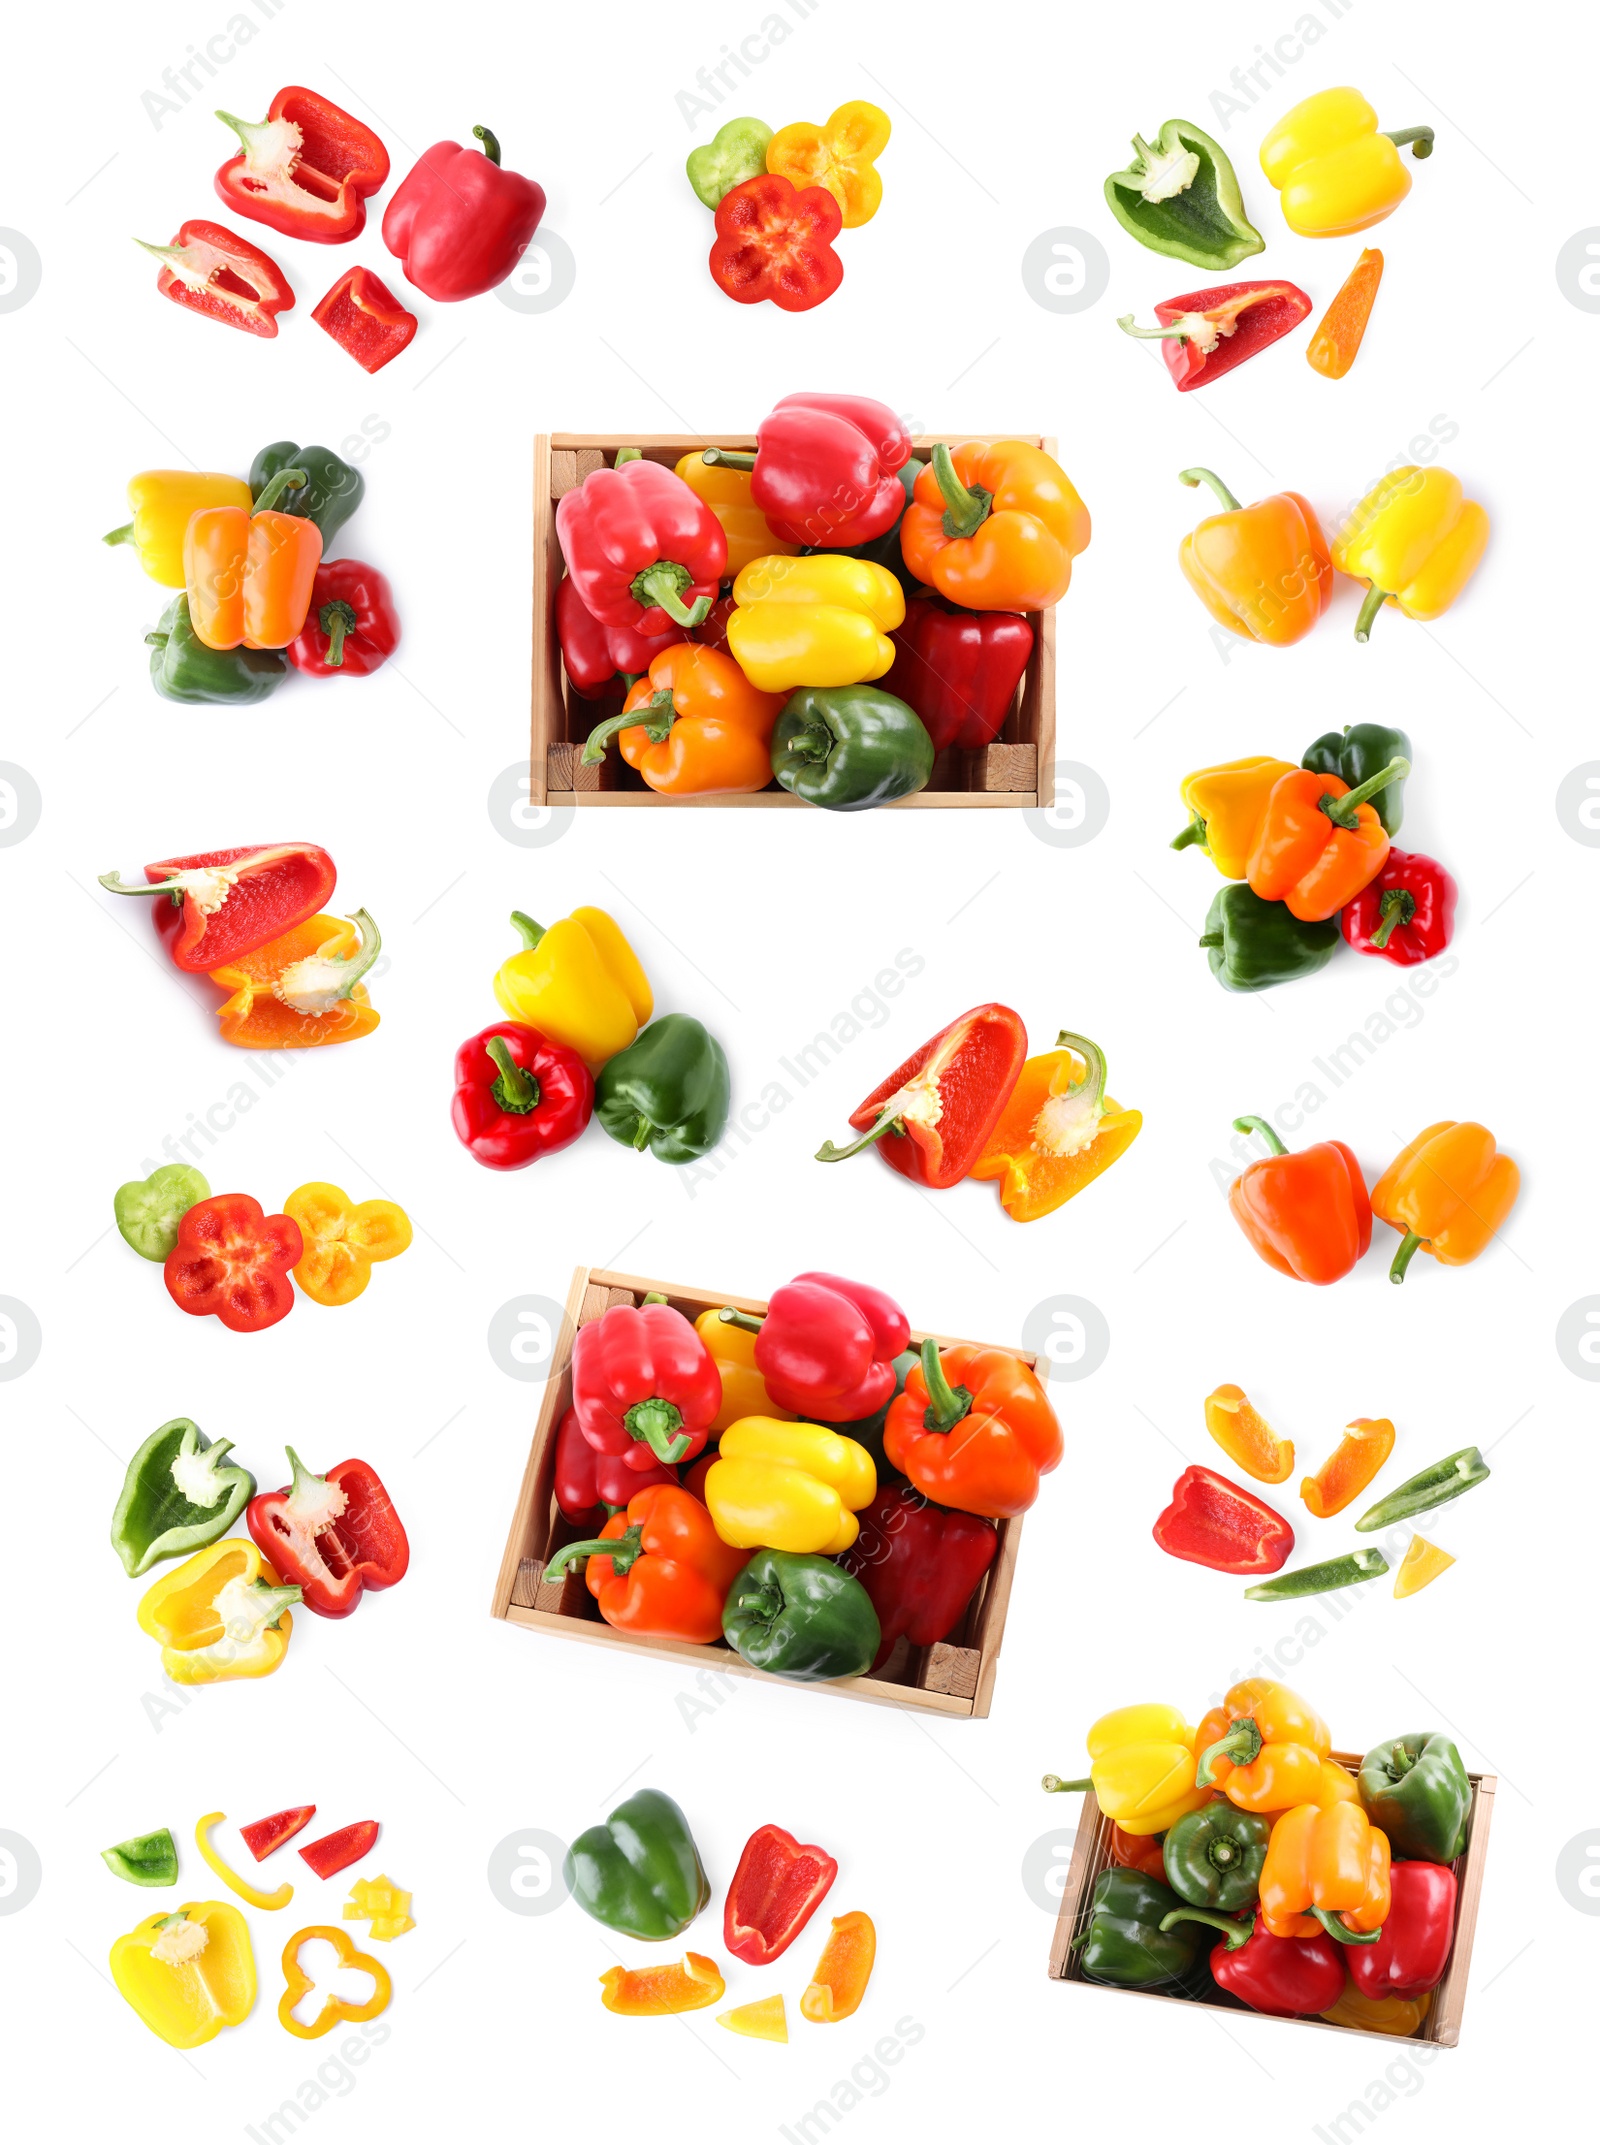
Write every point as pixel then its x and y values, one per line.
pixel 580 1042
pixel 828 613
pixel 804 1484
pixel 1331 1894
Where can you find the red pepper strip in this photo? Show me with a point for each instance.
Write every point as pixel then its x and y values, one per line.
pixel 826 1348
pixel 590 1485
pixel 337 1850
pixel 1413 1947
pixel 1407 913
pixel 959 670
pixel 232 1262
pixel 606 659
pixel 351 627
pixel 776 241
pixel 518 1096
pixel 1214 1522
pixel 920 1565
pixel 332 1535
pixel 1207 332
pixel 306 169
pixel 214 271
pixel 644 1385
pixel 776 1889
pixel 930 1119
pixel 642 549
pixel 224 903
pixel 365 318
pixel 1283 1976
pixel 268 1834
pixel 824 469
pixel 458 223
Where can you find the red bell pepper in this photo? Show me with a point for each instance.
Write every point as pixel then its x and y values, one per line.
pixel 306 169
pixel 959 670
pixel 337 1850
pixel 365 318
pixel 1413 1947
pixel 642 550
pixel 644 1385
pixel 1212 1521
pixel 776 1889
pixel 335 1536
pixel 518 1096
pixel 931 1118
pixel 351 628
pixel 1206 333
pixel 824 469
pixel 459 224
pixel 920 1564
pixel 775 241
pixel 232 1262
pixel 1407 913
pixel 214 271
pixel 224 903
pixel 606 659
pixel 826 1348
pixel 268 1834
pixel 590 1485
pixel 1284 1976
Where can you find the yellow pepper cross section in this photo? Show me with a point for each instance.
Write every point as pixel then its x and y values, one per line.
pixel 220 1615
pixel 842 156
pixel 820 621
pixel 343 1241
pixel 579 983
pixel 791 1486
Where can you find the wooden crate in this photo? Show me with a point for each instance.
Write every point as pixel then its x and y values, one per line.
pixel 1091 1853
pixel 1018 769
pixel 955 1678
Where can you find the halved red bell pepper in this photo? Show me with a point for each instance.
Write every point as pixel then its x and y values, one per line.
pixel 268 1834
pixel 351 629
pixel 1212 1521
pixel 306 169
pixel 518 1096
pixel 644 1385
pixel 776 1889
pixel 589 1485
pixel 775 240
pixel 959 670
pixel 224 903
pixel 233 1262
pixel 1206 333
pixel 337 1850
pixel 826 1348
pixel 920 1564
pixel 642 550
pixel 459 223
pixel 213 271
pixel 1407 913
pixel 333 1536
pixel 825 469
pixel 365 318
pixel 601 659
pixel 933 1115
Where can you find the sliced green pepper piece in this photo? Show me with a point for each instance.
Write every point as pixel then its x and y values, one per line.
pixel 850 747
pixel 1450 1477
pixel 1415 1788
pixel 801 1617
pixel 1359 751
pixel 149 1858
pixel 1326 1578
pixel 177 1496
pixel 1180 197
pixel 183 668
pixel 330 495
pixel 736 152
pixel 668 1091
pixel 149 1209
pixel 1254 944
pixel 640 1872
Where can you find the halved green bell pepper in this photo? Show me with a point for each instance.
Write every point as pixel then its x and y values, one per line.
pixel 1213 1857
pixel 850 747
pixel 1180 196
pixel 1358 751
pixel 668 1091
pixel 329 498
pixel 640 1872
pixel 1415 1789
pixel 183 668
pixel 1253 944
pixel 1124 1942
pixel 801 1617
pixel 177 1496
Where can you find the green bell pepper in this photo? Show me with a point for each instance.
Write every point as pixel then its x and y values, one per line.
pixel 149 1209
pixel 1181 197
pixel 1358 751
pixel 183 668
pixel 1416 1790
pixel 869 1430
pixel 1213 1857
pixel 149 1858
pixel 668 1091
pixel 850 747
pixel 329 498
pixel 736 152
pixel 1253 944
pixel 640 1872
pixel 801 1617
pixel 1124 1942
pixel 177 1496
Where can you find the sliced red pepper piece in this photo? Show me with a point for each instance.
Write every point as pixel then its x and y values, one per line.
pixel 776 1889
pixel 214 271
pixel 232 1262
pixel 931 1118
pixel 365 317
pixel 224 903
pixel 1212 1521
pixel 331 1535
pixel 775 241
pixel 268 1834
pixel 306 169
pixel 337 1850
pixel 1206 333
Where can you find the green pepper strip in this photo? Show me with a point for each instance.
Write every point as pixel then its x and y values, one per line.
pixel 1322 1578
pixel 1436 1485
pixel 1241 1745
pixel 1235 1934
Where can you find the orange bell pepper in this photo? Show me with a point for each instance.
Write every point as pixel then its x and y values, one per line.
pixel 1058 1132
pixel 994 528
pixel 1263 1747
pixel 839 1979
pixel 1262 571
pixel 1334 1784
pixel 256 1018
pixel 1320 842
pixel 249 575
pixel 1333 347
pixel 1347 1470
pixel 973 1429
pixel 1246 1437
pixel 659 1991
pixel 336 2010
pixel 1327 1869
pixel 694 726
pixel 659 1569
pixel 1136 1850
pixel 1447 1192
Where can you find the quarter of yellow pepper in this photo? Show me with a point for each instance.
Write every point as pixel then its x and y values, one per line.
pixel 818 621
pixel 1227 804
pixel 579 983
pixel 162 501
pixel 1400 2015
pixel 726 491
pixel 1058 1132
pixel 840 156
pixel 1333 170
pixel 343 1241
pixel 788 1485
pixel 1141 1768
pixel 744 1390
pixel 188 1974
pixel 1416 540
pixel 1327 1868
pixel 220 1615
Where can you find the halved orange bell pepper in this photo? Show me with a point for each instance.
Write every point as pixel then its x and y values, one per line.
pixel 995 528
pixel 694 726
pixel 658 1569
pixel 1320 842
pixel 1345 1473
pixel 1263 1747
pixel 342 1241
pixel 1327 1869
pixel 744 1390
pixel 1262 571
pixel 1058 1132
pixel 1246 1437
pixel 659 1991
pixel 839 1979
pixel 256 1018
pixel 840 156
pixel 1447 1192
pixel 249 574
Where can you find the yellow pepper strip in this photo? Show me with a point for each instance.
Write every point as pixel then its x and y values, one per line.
pixel 839 1978
pixel 744 1390
pixel 1246 1437
pixel 1058 1131
pixel 579 983
pixel 1227 804
pixel 1345 1473
pixel 1416 540
pixel 249 1893
pixel 788 1485
pixel 840 156
pixel 336 2010
pixel 343 1241
pixel 1141 1768
pixel 727 492
pixel 662 1991
pixel 819 621
pixel 1400 2015
pixel 220 1615
pixel 162 501
pixel 1420 1566
pixel 763 2021
pixel 1333 170
pixel 189 1973
pixel 380 1901
pixel 1326 1870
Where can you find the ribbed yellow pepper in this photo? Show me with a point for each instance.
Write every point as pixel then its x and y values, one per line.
pixel 821 621
pixel 220 1615
pixel 189 1973
pixel 1333 170
pixel 1141 1767
pixel 744 1390
pixel 1227 804
pixel 792 1486
pixel 1416 540
pixel 579 984
pixel 727 492
pixel 162 501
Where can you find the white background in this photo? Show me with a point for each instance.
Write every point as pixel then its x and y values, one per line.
pixel 457 1731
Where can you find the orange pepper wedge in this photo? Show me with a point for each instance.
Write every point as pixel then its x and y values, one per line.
pixel 249 574
pixel 995 527
pixel 255 1018
pixel 1058 1132
pixel 839 1979
pixel 1246 1437
pixel 336 2010
pixel 661 1991
pixel 1345 1473
pixel 693 726
pixel 1333 347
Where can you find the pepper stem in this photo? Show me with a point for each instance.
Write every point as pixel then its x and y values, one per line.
pixel 658 1424
pixel 491 144
pixel 1342 810
pixel 1053 1784
pixel 627 454
pixel 1174 334
pixel 727 458
pixel 336 620
pixel 286 480
pixel 947 1403
pixel 1194 834
pixel 1396 908
pixel 112 880
pixel 624 1551
pixel 1241 1746
pixel 741 1319
pixel 966 507
pixel 661 587
pixel 531 932
pixel 124 535
pixel 1094 1058
pixel 1208 476
pixel 1340 1930
pixel 1372 604
pixel 1212 938
pixel 1258 1124
pixel 1235 1934
pixel 516 1090
pixel 600 737
pixel 813 743
pixel 890 1121
pixel 1402 1259
pixel 1419 139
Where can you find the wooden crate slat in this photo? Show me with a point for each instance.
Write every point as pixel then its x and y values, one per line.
pixel 1004 767
pixel 952 1669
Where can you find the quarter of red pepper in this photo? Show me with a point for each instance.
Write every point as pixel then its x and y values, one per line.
pixel 1407 913
pixel 644 1385
pixel 1413 1947
pixel 959 670
pixel 224 903
pixel 826 1348
pixel 351 628
pixel 1206 333
pixel 334 1536
pixel 365 318
pixel 337 1850
pixel 642 550
pixel 1306 1214
pixel 518 1096
pixel 1212 1521
pixel 306 169
pixel 775 240
pixel 1284 1976
pixel 590 1485
pixel 232 1262
pixel 920 1564
pixel 606 659
pixel 824 469
pixel 776 1889
pixel 931 1118
pixel 459 223
pixel 214 271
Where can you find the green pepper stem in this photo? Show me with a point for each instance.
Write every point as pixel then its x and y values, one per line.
pixel 112 881
pixel 1213 938
pixel 1419 139
pixel 966 509
pixel 1193 834
pixel 516 1090
pixel 1209 476
pixel 1093 1082
pixel 1342 810
pixel 1372 604
pixel 286 480
pixel 658 1424
pixel 1258 1124
pixel 531 932
pixel 742 1319
pixel 890 1121
pixel 1341 1932
pixel 1409 1245
pixel 624 1550
pixel 813 743
pixel 624 455
pixel 124 535
pixel 1241 1746
pixel 654 1296
pixel 727 458
pixel 1174 334
pixel 600 737
pixel 661 587
pixel 1235 1934
pixel 641 1135
pixel 336 620
pixel 491 144
pixel 1053 1784
pixel 1396 908
pixel 947 1404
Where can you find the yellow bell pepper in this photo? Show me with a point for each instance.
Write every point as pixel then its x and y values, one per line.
pixel 1141 1768
pixel 840 156
pixel 1227 804
pixel 1400 2015
pixel 343 1241
pixel 1333 170
pixel 579 984
pixel 788 1485
pixel 744 1390
pixel 820 621
pixel 188 1974
pixel 162 501
pixel 220 1615
pixel 1416 540
pixel 727 492
pixel 251 1894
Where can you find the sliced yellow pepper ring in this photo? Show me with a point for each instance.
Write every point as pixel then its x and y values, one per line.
pixel 336 2010
pixel 249 1893
pixel 343 1241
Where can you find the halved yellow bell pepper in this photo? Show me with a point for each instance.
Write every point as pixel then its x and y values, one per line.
pixel 820 621
pixel 744 1390
pixel 1058 1131
pixel 727 492
pixel 840 156
pixel 1416 540
pixel 1141 1768
pixel 1333 170
pixel 1227 804
pixel 788 1485
pixel 343 1241
pixel 162 501
pixel 220 1615
pixel 579 983
pixel 188 1973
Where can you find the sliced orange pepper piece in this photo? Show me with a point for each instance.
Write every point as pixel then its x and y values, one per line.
pixel 1420 1566
pixel 657 1991
pixel 1345 1473
pixel 1332 349
pixel 254 1018
pixel 839 1980
pixel 1058 1132
pixel 336 2010
pixel 1246 1437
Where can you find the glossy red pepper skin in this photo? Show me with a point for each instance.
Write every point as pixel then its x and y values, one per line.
pixel 503 1130
pixel 825 469
pixel 279 885
pixel 603 659
pixel 775 240
pixel 619 523
pixel 345 160
pixel 920 1564
pixel 826 1348
pixel 337 1850
pixel 365 318
pixel 1214 1522
pixel 591 1484
pixel 268 1834
pixel 358 599
pixel 1306 1214
pixel 644 1374
pixel 364 1550
pixel 959 670
pixel 777 1887
pixel 1413 1947
pixel 1259 326
pixel 973 1065
pixel 1416 898
pixel 1284 1976
pixel 232 1262
pixel 244 287
pixel 458 224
